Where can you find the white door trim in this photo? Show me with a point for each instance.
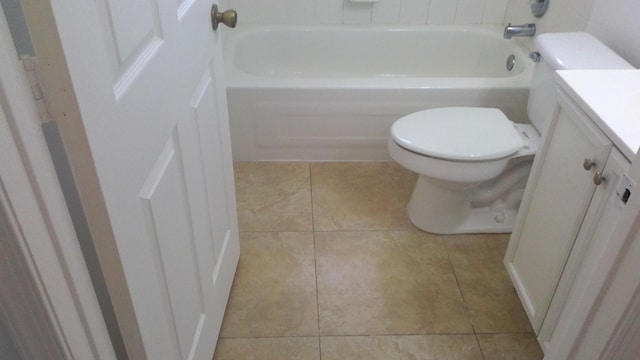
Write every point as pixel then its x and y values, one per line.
pixel 46 240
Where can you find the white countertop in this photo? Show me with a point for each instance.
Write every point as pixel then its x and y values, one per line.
pixel 612 99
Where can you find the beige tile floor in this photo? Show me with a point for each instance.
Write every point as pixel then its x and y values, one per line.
pixel 331 268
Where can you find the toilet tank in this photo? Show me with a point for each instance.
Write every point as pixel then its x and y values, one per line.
pixel 564 51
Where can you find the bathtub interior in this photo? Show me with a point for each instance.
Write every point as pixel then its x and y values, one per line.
pixel 362 53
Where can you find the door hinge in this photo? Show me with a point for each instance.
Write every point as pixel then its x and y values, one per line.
pixel 30 64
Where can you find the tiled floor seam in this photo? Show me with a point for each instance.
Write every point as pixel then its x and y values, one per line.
pixel 313 220
pixel 315 259
pixel 315 264
pixel 480 347
pixel 270 337
pixel 455 275
pixel 367 230
pixel 405 334
pixel 505 333
pixel 274 231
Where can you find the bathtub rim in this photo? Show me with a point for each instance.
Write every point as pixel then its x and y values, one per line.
pixel 235 78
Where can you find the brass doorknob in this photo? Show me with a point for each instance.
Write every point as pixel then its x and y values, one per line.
pixel 229 17
pixel 588 164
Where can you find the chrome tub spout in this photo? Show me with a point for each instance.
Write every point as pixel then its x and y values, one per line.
pixel 519 30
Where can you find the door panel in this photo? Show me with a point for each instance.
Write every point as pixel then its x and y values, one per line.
pixel 132 33
pixel 146 78
pixel 170 231
pixel 549 227
pixel 133 25
pixel 207 121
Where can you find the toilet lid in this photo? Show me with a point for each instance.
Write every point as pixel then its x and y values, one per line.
pixel 458 133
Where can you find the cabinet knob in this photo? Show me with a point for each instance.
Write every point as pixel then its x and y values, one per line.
pixel 588 164
pixel 598 178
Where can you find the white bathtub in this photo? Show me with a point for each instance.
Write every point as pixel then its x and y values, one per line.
pixel 332 92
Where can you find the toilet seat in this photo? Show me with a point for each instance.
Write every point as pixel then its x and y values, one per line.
pixel 458 133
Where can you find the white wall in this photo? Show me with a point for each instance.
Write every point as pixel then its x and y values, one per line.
pixel 617 24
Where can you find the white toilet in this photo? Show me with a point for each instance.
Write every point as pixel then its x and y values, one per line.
pixel 473 163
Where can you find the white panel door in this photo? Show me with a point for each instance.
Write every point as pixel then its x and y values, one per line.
pixel 147 80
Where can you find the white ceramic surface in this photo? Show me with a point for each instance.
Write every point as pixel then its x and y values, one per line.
pixel 578 50
pixel 436 188
pixel 560 51
pixel 458 133
pixel 612 99
pixel 332 93
pixel 257 53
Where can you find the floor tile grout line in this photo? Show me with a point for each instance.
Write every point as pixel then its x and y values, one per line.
pixel 315 259
pixel 313 220
pixel 315 264
pixel 402 334
pixel 332 231
pixel 455 275
pixel 506 333
pixel 347 335
pixel 466 306
pixel 479 346
pixel 276 232
pixel 271 337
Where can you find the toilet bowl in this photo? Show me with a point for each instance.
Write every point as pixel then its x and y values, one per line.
pixel 473 163
pixel 458 153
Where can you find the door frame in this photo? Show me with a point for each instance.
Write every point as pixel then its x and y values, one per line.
pixel 57 306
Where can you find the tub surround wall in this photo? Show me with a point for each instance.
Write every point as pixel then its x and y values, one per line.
pixel 562 15
pixel 440 12
pixel 612 21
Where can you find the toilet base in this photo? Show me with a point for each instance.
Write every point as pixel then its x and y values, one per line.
pixel 478 221
pixel 454 213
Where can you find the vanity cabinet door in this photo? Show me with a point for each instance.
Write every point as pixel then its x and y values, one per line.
pixel 600 221
pixel 554 207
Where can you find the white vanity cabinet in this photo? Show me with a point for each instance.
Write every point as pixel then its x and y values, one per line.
pixel 572 180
